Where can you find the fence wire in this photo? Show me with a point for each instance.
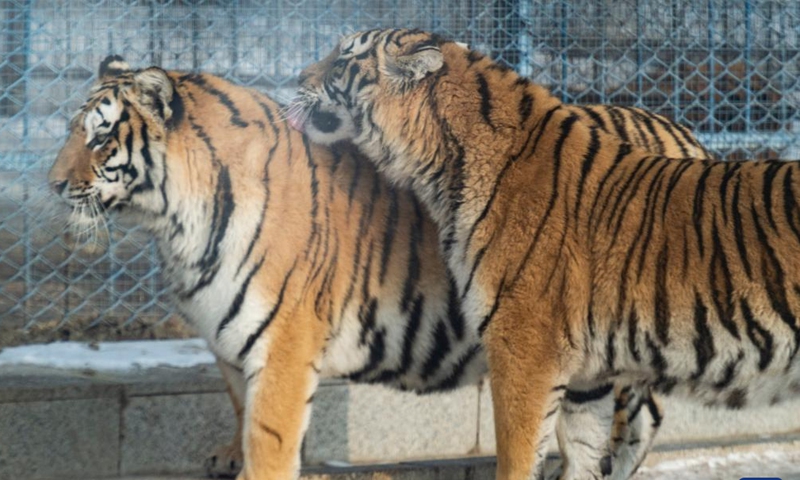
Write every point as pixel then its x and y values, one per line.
pixel 727 69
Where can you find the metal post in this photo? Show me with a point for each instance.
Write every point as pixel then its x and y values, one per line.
pixel 639 55
pixel 711 65
pixel 748 44
pixel 563 45
pixel 506 27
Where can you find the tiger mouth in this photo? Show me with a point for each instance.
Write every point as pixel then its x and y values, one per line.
pixel 296 117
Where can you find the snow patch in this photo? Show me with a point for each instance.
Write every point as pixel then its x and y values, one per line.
pixel 111 356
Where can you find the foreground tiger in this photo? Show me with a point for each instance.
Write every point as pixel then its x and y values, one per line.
pixel 584 263
pixel 293 261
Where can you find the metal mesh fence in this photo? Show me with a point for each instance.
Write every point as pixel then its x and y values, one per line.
pixel 727 69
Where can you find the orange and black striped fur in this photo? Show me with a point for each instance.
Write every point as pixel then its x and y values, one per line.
pixel 585 263
pixel 299 253
pixel 293 261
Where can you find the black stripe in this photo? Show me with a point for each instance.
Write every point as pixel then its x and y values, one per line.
pixel 475 264
pixel 703 341
pixel 670 129
pixel 611 347
pixel 697 212
pixel 637 124
pixel 223 210
pixel 351 191
pixel 588 160
pixel 758 335
pixel 410 334
pixel 525 108
pixel 389 231
pixel 437 351
pixel 623 150
pixel 738 230
pixel 661 300
pixel 596 118
pixel 623 196
pixel 314 209
pixel 200 81
pixel 236 305
pixel 685 164
pixel 495 305
pixel 653 134
pixel 769 178
pixel 454 313
pixel 730 170
pixel 721 284
pixel 663 383
pixel 486 99
pixel 415 238
pixel 790 206
pixel 251 340
pixel 729 373
pixel 454 379
pixel 377 350
pixel 649 218
pixel 619 124
pixel 576 396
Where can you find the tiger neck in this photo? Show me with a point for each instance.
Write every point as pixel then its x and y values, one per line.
pixel 189 215
pixel 466 140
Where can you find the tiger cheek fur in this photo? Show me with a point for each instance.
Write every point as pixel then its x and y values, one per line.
pixel 584 258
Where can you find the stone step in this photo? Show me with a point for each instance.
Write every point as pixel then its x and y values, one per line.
pixel 58 423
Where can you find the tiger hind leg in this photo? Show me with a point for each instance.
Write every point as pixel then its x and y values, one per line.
pixel 226 460
pixel 583 432
pixel 638 416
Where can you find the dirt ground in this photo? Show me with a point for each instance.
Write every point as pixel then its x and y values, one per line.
pixel 91 330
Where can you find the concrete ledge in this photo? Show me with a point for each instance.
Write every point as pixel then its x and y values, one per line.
pixel 68 424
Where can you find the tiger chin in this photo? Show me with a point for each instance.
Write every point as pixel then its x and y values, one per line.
pixel 586 264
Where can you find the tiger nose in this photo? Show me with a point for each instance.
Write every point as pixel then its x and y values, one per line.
pixel 58 186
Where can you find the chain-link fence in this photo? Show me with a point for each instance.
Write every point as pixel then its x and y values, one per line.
pixel 727 69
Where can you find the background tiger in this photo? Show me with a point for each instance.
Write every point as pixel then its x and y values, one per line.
pixel 274 246
pixel 584 262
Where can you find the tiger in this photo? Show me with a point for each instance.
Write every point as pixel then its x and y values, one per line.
pixel 585 265
pixel 275 249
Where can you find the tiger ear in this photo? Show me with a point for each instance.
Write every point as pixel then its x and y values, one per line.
pixel 112 66
pixel 155 91
pixel 423 60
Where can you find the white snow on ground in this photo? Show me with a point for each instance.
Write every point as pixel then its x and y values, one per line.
pixel 778 460
pixel 110 356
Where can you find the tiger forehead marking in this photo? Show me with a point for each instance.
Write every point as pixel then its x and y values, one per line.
pixel 99 118
pixel 357 43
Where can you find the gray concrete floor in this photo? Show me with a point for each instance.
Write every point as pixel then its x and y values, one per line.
pixel 772 460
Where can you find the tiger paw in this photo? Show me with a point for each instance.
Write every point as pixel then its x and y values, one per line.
pixel 225 462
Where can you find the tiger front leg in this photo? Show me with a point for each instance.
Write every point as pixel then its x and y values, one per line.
pixel 280 388
pixel 527 387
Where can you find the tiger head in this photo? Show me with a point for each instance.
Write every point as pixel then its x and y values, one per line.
pixel 113 157
pixel 337 95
